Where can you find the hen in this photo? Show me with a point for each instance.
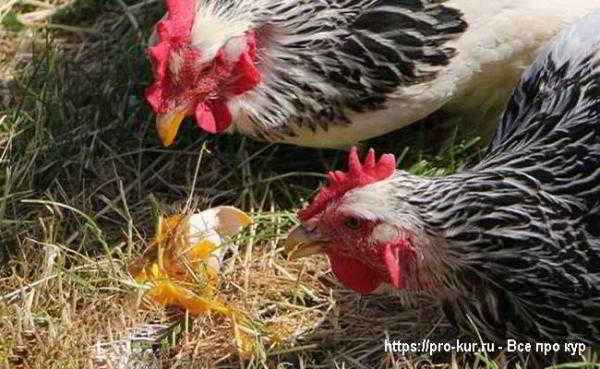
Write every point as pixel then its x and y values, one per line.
pixel 330 73
pixel 513 242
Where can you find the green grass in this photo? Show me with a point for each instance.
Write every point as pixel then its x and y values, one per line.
pixel 83 175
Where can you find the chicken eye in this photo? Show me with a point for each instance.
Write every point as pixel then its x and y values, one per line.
pixel 352 223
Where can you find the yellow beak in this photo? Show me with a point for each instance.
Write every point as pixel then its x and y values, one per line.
pixel 301 242
pixel 168 124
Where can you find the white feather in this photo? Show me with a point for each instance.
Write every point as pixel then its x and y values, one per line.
pixel 213 27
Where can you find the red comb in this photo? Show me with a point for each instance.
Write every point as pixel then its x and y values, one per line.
pixel 178 24
pixel 358 175
pixel 172 31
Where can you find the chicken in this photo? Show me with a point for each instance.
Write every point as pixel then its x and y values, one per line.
pixel 331 73
pixel 512 243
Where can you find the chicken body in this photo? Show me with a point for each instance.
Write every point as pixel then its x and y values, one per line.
pixel 334 72
pixel 511 244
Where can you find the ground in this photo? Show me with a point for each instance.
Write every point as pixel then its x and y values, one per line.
pixel 83 177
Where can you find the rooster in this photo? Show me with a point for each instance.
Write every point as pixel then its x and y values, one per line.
pixel 331 73
pixel 510 246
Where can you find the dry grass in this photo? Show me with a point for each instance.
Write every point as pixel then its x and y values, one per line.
pixel 82 176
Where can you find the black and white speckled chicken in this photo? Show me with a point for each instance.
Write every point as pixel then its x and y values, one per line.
pixel 330 73
pixel 513 243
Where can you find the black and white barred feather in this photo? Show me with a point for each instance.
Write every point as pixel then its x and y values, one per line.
pixel 336 72
pixel 348 55
pixel 521 230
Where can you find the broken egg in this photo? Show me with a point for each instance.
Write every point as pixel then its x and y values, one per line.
pixel 183 264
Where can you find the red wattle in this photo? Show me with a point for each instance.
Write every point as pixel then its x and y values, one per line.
pixel 392 263
pixel 213 116
pixel 205 118
pixel 396 257
pixel 221 114
pixel 354 274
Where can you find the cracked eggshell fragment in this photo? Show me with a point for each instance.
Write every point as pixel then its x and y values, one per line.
pixel 188 249
pixel 216 225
